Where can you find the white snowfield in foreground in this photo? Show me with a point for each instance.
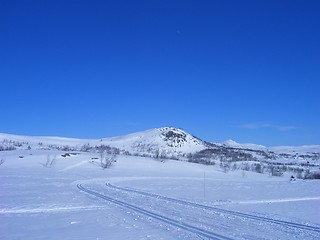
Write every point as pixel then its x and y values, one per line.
pixel 142 198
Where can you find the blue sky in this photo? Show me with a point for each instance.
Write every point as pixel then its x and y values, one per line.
pixel 242 70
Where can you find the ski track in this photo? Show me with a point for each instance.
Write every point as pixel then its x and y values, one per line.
pixel 73 166
pixel 192 229
pixel 234 213
pixel 49 209
pixel 278 200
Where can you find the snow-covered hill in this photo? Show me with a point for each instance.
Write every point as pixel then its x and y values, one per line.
pixel 234 144
pixel 167 142
pixel 279 149
pixel 159 141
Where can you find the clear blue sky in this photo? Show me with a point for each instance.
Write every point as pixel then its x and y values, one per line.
pixel 242 70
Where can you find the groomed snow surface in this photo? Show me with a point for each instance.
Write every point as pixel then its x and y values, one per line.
pixel 142 198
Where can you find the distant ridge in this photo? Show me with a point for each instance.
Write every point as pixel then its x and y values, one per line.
pixel 168 141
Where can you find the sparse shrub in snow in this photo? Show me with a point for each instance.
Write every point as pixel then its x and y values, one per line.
pixel 245 166
pixel 106 160
pixel 108 155
pixel 234 167
pixel 226 167
pixel 9 145
pixel 258 168
pixel 2 160
pixel 7 148
pixel 126 153
pixel 299 174
pixel 314 175
pixel 50 161
pixel 107 149
pixel 275 170
pixel 85 148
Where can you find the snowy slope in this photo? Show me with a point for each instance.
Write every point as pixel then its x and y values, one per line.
pixel 140 198
pixel 279 149
pixel 298 149
pixel 38 140
pixel 168 140
pixel 234 144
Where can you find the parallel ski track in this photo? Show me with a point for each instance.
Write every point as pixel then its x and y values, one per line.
pixel 164 219
pixel 230 212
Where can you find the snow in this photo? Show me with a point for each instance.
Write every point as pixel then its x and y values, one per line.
pixel 299 149
pixel 141 142
pixel 154 139
pixel 279 149
pixel 232 143
pixel 146 198
pixel 151 200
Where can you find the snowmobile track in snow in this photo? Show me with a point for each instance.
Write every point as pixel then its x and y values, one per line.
pixel 234 213
pixel 164 219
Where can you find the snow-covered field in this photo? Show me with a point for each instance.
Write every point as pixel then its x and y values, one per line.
pixel 142 198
